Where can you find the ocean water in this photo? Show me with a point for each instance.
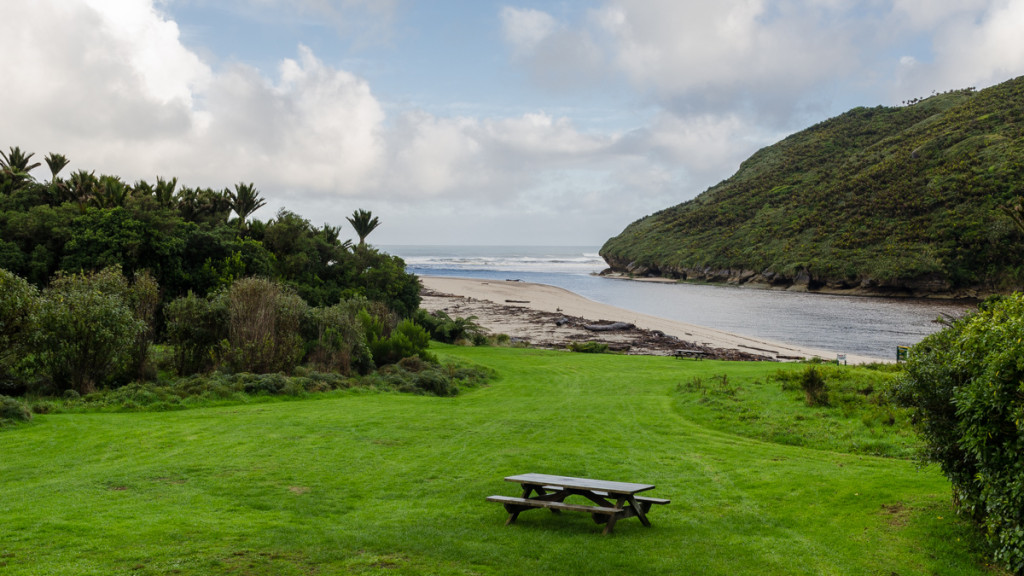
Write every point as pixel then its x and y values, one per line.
pixel 841 324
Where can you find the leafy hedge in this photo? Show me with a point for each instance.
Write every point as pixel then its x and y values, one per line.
pixel 966 387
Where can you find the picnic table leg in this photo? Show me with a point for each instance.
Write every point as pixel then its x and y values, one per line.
pixel 513 514
pixel 541 493
pixel 641 511
pixel 611 520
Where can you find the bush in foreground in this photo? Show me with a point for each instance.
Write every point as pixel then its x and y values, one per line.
pixel 18 303
pixel 87 329
pixel 13 410
pixel 966 387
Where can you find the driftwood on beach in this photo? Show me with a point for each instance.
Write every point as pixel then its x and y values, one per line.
pixel 609 327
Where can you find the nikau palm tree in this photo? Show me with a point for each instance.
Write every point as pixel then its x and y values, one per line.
pixel 82 188
pixel 56 163
pixel 164 191
pixel 244 201
pixel 110 192
pixel 364 222
pixel 15 167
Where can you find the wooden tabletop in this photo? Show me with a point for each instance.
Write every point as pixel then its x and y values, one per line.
pixel 580 483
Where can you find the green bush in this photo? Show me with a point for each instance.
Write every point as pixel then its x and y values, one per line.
pixel 813 385
pixel 86 329
pixel 11 409
pixel 964 386
pixel 335 338
pixel 589 347
pixel 388 347
pixel 444 328
pixel 144 298
pixel 414 375
pixel 264 320
pixel 18 302
pixel 195 327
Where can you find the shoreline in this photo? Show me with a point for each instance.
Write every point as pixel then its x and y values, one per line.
pixel 551 317
pixel 967 296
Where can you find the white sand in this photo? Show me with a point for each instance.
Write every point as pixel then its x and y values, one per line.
pixel 476 294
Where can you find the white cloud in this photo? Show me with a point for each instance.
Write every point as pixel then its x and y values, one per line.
pixel 112 87
pixel 314 128
pixel 524 29
pixel 110 84
pixel 703 57
pixel 972 43
pixel 982 49
pixel 926 14
pixel 138 36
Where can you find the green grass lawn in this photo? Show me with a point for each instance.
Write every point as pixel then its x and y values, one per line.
pixel 382 483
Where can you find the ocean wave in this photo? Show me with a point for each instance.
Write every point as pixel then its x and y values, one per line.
pixel 583 262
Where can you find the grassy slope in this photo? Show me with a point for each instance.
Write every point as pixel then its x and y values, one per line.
pixel 889 195
pixel 385 483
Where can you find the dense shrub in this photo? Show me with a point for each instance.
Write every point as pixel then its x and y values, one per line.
pixel 144 298
pixel 964 385
pixel 12 409
pixel 195 327
pixel 86 329
pixel 335 338
pixel 389 345
pixel 18 303
pixel 813 385
pixel 444 328
pixel 264 320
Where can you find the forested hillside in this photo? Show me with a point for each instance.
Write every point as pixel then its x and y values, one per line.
pixel 898 200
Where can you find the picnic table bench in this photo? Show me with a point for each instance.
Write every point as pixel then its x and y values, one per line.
pixel 698 354
pixel 611 501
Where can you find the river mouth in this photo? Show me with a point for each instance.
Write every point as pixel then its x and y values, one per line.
pixel 842 323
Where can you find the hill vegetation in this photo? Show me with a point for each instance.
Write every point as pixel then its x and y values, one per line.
pixel 899 200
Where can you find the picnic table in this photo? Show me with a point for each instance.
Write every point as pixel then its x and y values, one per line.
pixel 611 501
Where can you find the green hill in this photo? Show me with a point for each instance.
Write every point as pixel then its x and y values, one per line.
pixel 901 200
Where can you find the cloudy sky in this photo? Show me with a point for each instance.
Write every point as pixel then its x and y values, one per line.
pixel 470 121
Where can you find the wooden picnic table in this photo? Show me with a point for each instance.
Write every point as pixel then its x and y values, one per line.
pixel 611 500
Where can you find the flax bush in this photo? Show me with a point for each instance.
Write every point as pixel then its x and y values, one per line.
pixel 389 342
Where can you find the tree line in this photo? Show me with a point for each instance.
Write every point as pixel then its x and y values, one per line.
pixel 189 239
pixel 94 270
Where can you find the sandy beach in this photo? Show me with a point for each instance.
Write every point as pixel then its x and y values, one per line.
pixel 551 317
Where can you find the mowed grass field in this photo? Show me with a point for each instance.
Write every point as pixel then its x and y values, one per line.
pixel 382 483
